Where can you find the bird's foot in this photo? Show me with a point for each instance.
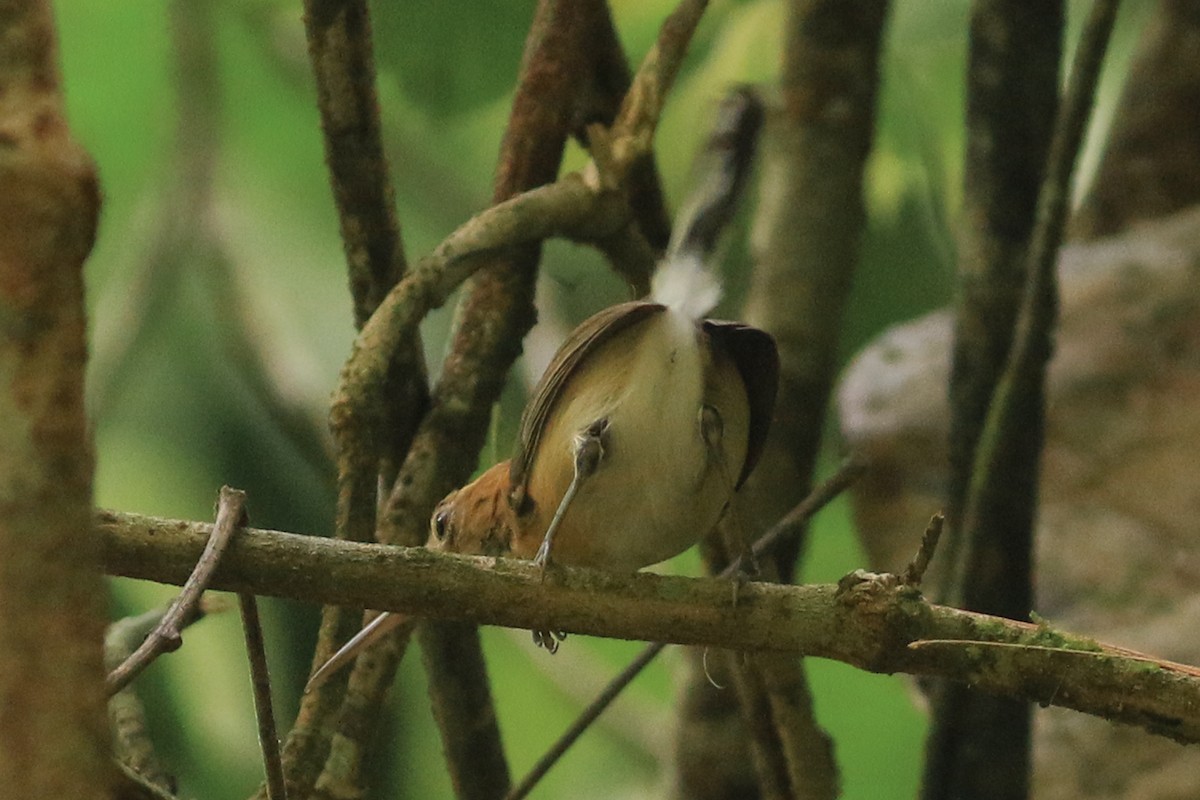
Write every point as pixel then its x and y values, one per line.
pixel 549 639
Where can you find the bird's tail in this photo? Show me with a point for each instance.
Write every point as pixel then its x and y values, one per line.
pixel 683 280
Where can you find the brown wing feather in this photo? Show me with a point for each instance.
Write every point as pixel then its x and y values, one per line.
pixel 591 333
pixel 753 351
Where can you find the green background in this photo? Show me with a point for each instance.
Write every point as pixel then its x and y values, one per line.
pixel 177 420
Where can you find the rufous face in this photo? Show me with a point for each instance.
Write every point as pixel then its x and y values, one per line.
pixel 475 519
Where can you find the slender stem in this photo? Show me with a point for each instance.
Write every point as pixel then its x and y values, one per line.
pixel 231 515
pixel 584 721
pixel 914 573
pixel 132 746
pixel 260 680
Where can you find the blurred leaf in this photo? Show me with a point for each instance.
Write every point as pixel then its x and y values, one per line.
pixel 447 60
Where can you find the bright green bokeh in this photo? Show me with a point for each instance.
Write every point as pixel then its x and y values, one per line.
pixel 180 422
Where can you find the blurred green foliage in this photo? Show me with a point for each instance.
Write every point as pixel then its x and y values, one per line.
pixel 181 421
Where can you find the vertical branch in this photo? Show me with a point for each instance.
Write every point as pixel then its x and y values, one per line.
pixel 463 710
pixel 806 244
pixel 494 315
pixel 808 229
pixel 260 680
pixel 1025 369
pixel 1014 54
pixel 53 741
pixel 1151 165
pixel 339 38
pixel 979 745
pixel 339 47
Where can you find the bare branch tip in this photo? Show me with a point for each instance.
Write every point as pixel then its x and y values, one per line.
pixel 915 572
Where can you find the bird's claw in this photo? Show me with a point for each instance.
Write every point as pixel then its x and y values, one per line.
pixel 549 640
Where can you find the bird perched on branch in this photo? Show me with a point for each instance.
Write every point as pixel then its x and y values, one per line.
pixel 647 420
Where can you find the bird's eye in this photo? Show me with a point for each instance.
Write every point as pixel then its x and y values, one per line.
pixel 439 522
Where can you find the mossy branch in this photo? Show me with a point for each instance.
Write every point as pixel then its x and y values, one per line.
pixel 874 622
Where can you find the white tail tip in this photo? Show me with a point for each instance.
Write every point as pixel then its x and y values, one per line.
pixel 684 285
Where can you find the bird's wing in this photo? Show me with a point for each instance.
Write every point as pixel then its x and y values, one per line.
pixel 591 333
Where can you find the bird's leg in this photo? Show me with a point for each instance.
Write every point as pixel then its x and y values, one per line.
pixel 589 452
pixel 548 640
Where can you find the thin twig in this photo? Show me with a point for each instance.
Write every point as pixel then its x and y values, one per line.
pixel 633 130
pixel 914 573
pixel 231 514
pixel 795 520
pixel 792 524
pixel 641 724
pixel 131 742
pixel 584 721
pixel 260 680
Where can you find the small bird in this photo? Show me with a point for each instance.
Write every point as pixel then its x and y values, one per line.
pixel 647 420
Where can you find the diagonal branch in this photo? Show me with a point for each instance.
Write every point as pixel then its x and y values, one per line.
pixel 993 568
pixel 339 39
pixel 231 514
pixel 260 680
pixel 133 748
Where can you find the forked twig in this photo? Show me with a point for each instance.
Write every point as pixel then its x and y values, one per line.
pixel 166 637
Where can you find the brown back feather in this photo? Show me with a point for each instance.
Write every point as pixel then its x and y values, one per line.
pixel 591 333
